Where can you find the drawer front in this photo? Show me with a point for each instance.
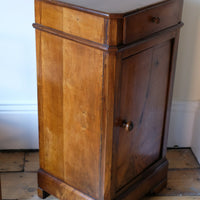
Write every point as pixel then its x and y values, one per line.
pixel 144 23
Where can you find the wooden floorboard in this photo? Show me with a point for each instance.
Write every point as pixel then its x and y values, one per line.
pixel 11 161
pixel 19 177
pixel 181 159
pixel 183 183
pixel 31 162
pixel 173 198
pixel 18 185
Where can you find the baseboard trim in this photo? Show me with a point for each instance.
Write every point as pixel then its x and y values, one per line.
pixel 18 150
pixel 181 128
pixel 19 126
pixel 18 108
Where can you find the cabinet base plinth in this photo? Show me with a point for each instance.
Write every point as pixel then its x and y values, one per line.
pixel 159 187
pixel 150 182
pixel 58 188
pixel 42 194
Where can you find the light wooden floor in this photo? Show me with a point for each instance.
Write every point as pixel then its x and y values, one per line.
pixel 19 178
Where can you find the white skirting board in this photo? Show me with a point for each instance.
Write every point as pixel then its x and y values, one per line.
pixel 181 127
pixel 19 126
pixel 196 135
pixel 184 129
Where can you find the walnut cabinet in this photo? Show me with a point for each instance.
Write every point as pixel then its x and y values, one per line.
pixel 105 72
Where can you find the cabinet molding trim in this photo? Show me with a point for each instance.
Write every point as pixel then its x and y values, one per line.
pixel 170 33
pixel 49 183
pixel 73 38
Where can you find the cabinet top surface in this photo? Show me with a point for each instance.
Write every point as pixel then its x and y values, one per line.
pixel 111 6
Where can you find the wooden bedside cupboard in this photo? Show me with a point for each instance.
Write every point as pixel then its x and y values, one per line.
pixel 105 72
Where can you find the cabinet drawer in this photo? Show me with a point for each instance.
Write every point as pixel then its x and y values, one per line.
pixel 151 20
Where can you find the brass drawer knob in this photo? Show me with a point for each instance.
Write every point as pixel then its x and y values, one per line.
pixel 128 126
pixel 156 20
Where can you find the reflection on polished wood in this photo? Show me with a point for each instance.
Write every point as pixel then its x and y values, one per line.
pixel 104 89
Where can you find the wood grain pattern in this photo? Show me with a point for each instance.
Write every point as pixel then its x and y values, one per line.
pixel 178 182
pixel 31 180
pixel 51 119
pixel 58 188
pixel 11 162
pixel 37 11
pixel 31 162
pixel 61 34
pixel 181 159
pixel 73 22
pixel 60 90
pixel 109 75
pixel 143 90
pixel 18 185
pixel 138 190
pixel 173 198
pixel 88 82
pixel 82 116
pixel 131 78
pixel 114 32
pixel 140 24
pixel 42 194
pixel 148 42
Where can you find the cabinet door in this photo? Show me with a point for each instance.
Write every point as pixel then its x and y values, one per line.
pixel 143 98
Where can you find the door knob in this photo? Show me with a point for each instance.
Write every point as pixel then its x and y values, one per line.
pixel 128 126
pixel 156 20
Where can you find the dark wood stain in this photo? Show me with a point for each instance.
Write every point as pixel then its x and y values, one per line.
pixel 168 15
pixel 95 70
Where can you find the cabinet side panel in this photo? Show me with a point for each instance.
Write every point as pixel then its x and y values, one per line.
pixel 83 72
pixel 50 81
pixel 37 11
pixel 73 22
pixel 39 91
pixel 110 62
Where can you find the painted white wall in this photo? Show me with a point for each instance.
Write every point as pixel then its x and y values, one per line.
pixel 196 134
pixel 182 123
pixel 18 126
pixel 184 128
pixel 18 95
pixel 187 81
pixel 185 124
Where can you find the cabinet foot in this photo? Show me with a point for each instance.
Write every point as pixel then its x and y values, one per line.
pixel 159 187
pixel 42 194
